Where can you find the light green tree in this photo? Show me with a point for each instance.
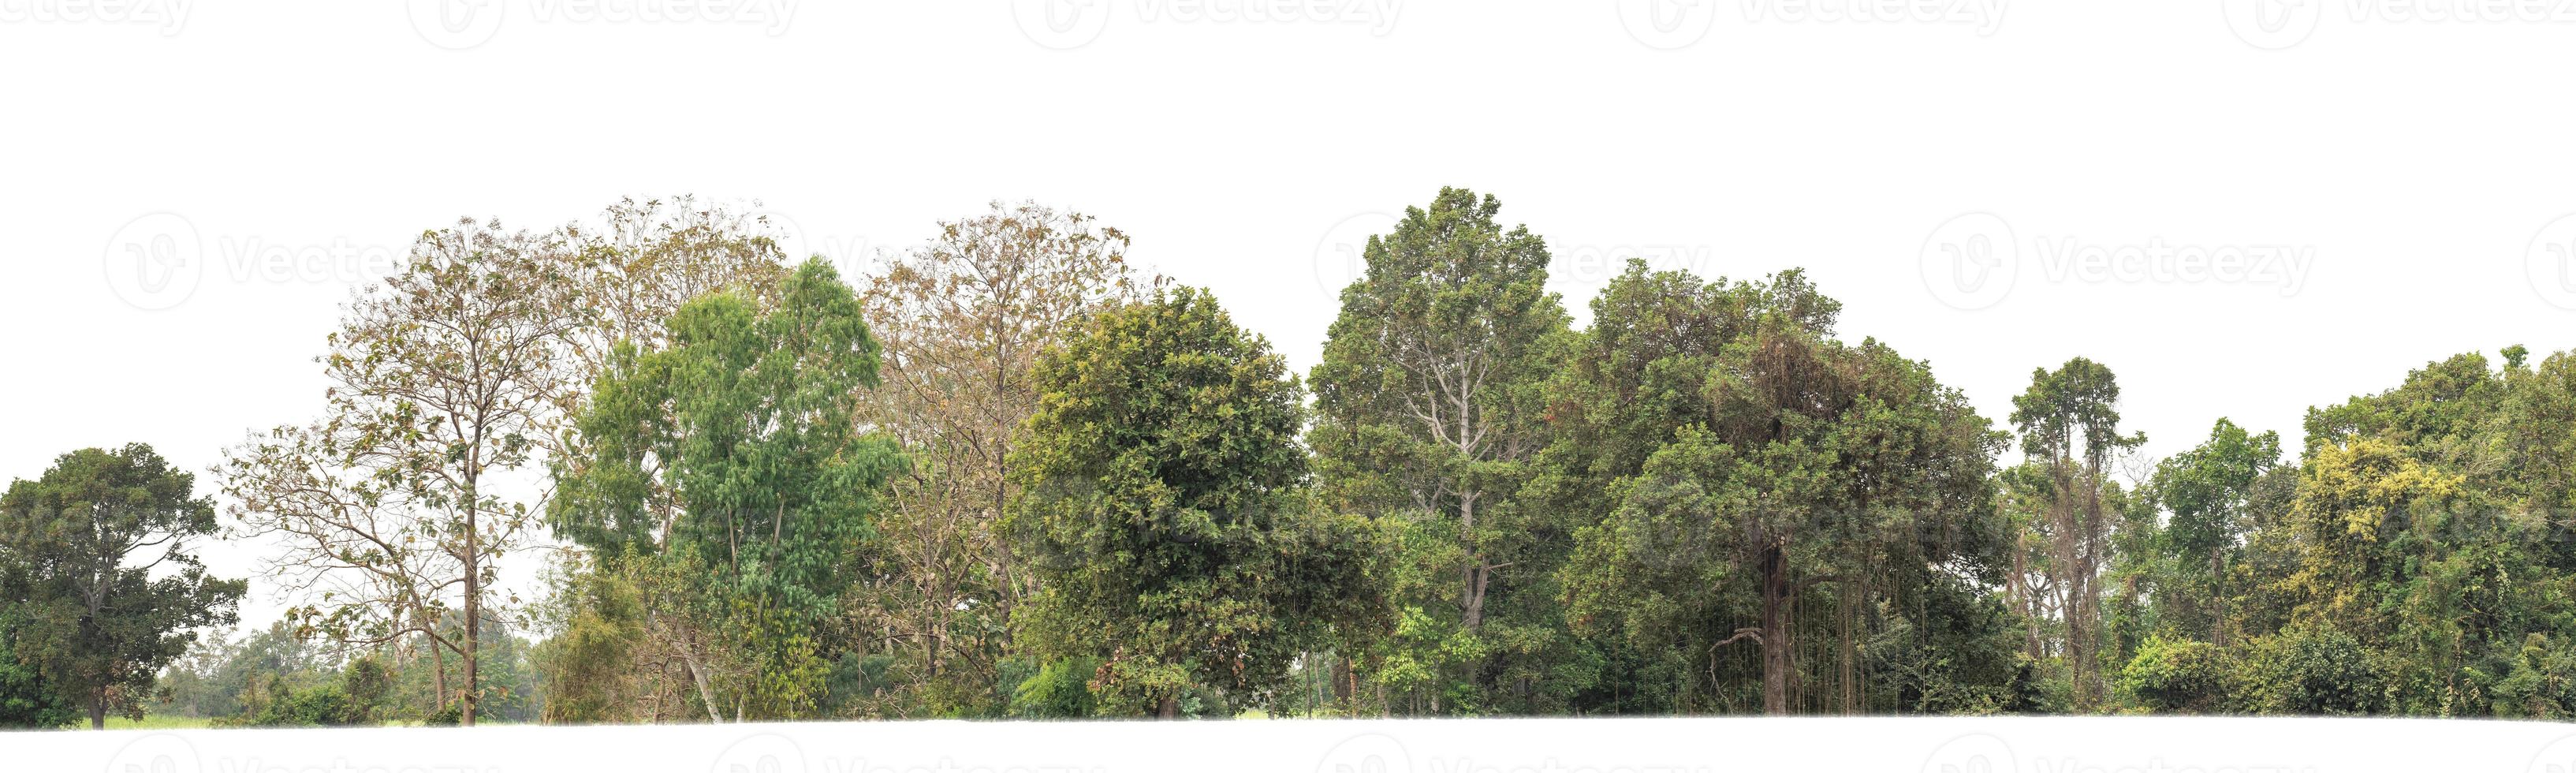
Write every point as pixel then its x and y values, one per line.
pixel 747 423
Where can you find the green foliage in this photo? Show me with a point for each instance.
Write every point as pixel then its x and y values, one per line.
pixel 1792 470
pixel 79 549
pixel 1165 511
pixel 1060 690
pixel 1427 409
pixel 2309 671
pixel 747 422
pixel 27 701
pixel 586 662
pixel 2178 676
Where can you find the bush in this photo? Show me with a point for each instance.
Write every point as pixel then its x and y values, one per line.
pixel 2177 675
pixel 350 701
pixel 1061 690
pixel 2309 672
pixel 27 700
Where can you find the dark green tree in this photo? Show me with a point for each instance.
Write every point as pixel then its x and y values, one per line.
pixel 1784 473
pixel 79 551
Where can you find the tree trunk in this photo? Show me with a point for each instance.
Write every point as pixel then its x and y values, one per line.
pixel 2218 597
pixel 1478 573
pixel 1171 708
pixel 98 710
pixel 473 623
pixel 706 690
pixel 1776 656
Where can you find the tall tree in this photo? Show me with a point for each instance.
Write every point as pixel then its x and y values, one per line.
pixel 399 504
pixel 79 550
pixel 964 320
pixel 748 422
pixel 2207 491
pixel 2070 424
pixel 1427 411
pixel 1165 511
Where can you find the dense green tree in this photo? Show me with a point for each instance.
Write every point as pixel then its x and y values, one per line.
pixel 1427 411
pixel 1790 472
pixel 748 422
pixel 1166 513
pixel 103 589
pixel 2206 492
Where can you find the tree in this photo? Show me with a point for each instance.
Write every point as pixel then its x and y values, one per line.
pixel 748 423
pixel 964 320
pixel 2069 419
pixel 1426 409
pixel 1777 460
pixel 79 550
pixel 397 506
pixel 2207 491
pixel 1164 509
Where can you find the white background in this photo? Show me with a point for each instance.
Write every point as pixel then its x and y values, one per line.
pixel 2415 153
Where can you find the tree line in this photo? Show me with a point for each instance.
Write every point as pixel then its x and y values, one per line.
pixel 1009 474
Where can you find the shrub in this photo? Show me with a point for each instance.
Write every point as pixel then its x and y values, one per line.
pixel 2309 672
pixel 2177 675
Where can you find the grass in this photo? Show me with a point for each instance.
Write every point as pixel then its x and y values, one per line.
pixel 156 722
